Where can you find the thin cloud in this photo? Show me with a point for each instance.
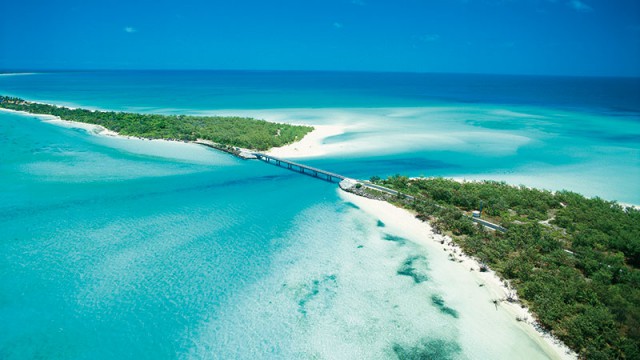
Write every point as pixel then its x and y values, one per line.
pixel 580 6
pixel 130 30
pixel 338 25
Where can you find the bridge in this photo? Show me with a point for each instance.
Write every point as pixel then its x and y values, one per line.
pixel 333 177
pixel 301 168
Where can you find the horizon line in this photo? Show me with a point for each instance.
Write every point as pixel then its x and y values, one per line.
pixel 31 71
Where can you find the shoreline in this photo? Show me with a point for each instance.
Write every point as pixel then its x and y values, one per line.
pixel 362 139
pixel 92 129
pixel 309 146
pixel 422 234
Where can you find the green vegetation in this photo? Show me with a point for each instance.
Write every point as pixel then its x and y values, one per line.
pixel 574 261
pixel 233 131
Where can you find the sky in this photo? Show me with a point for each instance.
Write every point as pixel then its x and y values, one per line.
pixel 536 37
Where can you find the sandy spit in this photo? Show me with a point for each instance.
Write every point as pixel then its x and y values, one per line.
pixel 311 145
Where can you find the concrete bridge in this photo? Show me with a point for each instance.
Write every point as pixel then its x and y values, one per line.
pixel 301 168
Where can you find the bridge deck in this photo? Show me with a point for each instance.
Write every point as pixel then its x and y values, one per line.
pixel 302 167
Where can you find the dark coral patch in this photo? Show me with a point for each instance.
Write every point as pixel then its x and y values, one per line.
pixel 416 268
pixel 397 239
pixel 439 303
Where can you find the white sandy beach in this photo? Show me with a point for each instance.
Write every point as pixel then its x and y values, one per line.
pixel 442 250
pixel 178 150
pixel 94 129
pixel 385 131
pixel 311 145
pixel 56 120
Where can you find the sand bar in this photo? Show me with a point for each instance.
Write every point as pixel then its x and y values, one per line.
pixel 312 145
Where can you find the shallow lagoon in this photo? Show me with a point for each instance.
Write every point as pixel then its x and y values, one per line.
pixel 112 249
pixel 131 248
pixel 548 132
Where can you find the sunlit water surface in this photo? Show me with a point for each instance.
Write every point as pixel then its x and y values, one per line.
pixel 119 248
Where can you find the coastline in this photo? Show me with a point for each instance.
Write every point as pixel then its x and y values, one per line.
pixel 170 149
pixel 421 233
pixel 311 145
pixel 442 246
pixel 56 120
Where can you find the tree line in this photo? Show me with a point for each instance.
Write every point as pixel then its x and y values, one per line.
pixel 574 261
pixel 228 130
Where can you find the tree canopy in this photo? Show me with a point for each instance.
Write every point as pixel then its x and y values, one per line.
pixel 574 261
pixel 229 130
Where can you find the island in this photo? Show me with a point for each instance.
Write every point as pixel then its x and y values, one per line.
pixel 219 131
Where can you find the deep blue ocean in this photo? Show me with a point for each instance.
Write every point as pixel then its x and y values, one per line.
pixel 124 248
pixel 207 90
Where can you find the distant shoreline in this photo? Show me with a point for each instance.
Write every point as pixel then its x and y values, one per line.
pixel 16 73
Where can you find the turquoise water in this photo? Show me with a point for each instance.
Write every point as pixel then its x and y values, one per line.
pixel 121 248
pixel 113 249
pixel 549 132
